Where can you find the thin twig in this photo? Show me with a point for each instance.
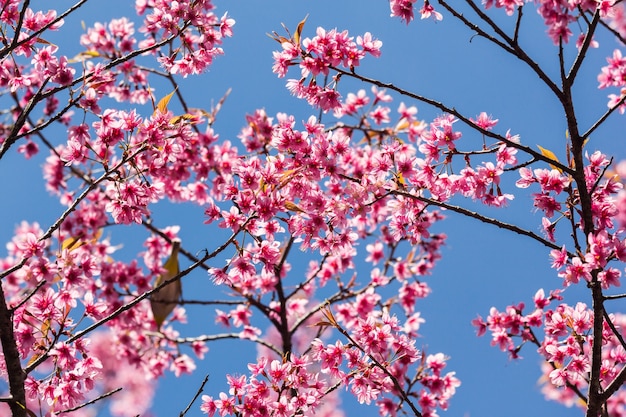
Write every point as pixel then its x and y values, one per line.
pixel 195 397
pixel 403 394
pixel 518 23
pixel 614 297
pixel 18 28
pixel 518 51
pixel 603 118
pixel 214 337
pixel 474 27
pixel 101 397
pixel 582 53
pixel 21 119
pixel 613 328
pixel 28 296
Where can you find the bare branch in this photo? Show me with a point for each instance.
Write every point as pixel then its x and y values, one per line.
pixel 482 218
pixel 571 76
pixel 219 336
pixel 95 400
pixel 518 51
pixel 474 27
pixel 603 118
pixel 195 397
pixel 457 114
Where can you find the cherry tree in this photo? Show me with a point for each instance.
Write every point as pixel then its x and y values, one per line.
pixel 326 227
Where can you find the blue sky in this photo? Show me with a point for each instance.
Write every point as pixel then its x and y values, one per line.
pixel 482 266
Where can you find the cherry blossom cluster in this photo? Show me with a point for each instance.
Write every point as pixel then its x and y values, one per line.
pixel 306 179
pixel 558 15
pixel 602 249
pixel 380 359
pixel 153 147
pixel 375 368
pixel 404 9
pixel 555 184
pixel 72 274
pixel 83 283
pixel 605 244
pixel 327 192
pixel 613 75
pixel 317 56
pixel 327 213
pixel 435 141
pixel 618 19
pixel 507 325
pixel 563 336
pixel 360 189
pixel 620 200
pixel 279 387
pixel 198 29
pixel 127 83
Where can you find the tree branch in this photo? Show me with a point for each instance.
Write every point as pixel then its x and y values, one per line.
pixel 458 115
pixel 482 218
pixel 95 400
pixel 595 398
pixel 195 397
pixel 571 76
pixel 14 370
pixel 518 51
pixel 474 27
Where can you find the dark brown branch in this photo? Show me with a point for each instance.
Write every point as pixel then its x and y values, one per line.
pixel 603 118
pixel 283 327
pixel 458 115
pixel 28 296
pixel 613 31
pixel 482 218
pixel 14 370
pixel 18 28
pixel 615 385
pixel 595 397
pixel 614 297
pixel 475 28
pixel 518 24
pixel 21 119
pixel 518 51
pixel 195 397
pixel 39 127
pixel 571 76
pixel 616 332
